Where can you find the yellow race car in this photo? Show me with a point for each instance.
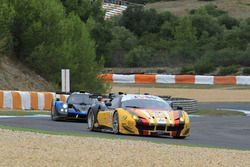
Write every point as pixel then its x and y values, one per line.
pixel 139 115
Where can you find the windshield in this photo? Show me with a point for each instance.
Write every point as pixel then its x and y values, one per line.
pixel 146 103
pixel 79 99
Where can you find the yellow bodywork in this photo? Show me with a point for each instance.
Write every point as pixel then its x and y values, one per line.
pixel 127 121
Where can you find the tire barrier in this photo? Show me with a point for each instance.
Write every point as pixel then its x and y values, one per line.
pixel 188 105
pixel 175 79
pixel 62 97
pixel 20 100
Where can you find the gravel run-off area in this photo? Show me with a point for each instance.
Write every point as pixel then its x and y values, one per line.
pixel 202 95
pixel 33 149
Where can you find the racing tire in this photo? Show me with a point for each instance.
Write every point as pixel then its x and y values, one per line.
pixel 116 123
pixel 178 136
pixel 54 117
pixel 91 120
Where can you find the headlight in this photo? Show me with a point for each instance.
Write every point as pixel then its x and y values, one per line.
pixel 65 106
pixel 135 117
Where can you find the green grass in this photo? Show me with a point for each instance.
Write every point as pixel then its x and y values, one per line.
pixel 218 113
pixel 21 113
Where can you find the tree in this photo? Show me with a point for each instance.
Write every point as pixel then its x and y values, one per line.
pixel 185 39
pixel 49 40
pixel 123 41
pixel 7 14
pixel 140 56
pixel 85 8
pixel 140 21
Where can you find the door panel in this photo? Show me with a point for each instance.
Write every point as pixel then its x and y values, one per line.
pixel 105 118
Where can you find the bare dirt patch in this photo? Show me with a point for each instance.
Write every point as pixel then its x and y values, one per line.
pixel 16 76
pixel 31 149
pixel 236 8
pixel 202 95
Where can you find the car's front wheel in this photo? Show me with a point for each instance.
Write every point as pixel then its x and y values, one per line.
pixel 177 136
pixel 116 123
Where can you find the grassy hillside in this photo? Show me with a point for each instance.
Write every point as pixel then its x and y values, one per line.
pixel 236 8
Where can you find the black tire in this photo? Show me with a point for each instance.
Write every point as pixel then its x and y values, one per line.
pixel 91 120
pixel 116 123
pixel 178 136
pixel 54 116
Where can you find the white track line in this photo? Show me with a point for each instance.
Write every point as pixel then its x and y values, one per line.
pixel 236 110
pixel 191 115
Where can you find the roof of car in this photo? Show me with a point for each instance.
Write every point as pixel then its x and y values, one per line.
pixel 78 93
pixel 126 97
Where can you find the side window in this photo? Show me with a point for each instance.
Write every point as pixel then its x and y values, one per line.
pixel 116 102
pixel 70 99
pixel 86 99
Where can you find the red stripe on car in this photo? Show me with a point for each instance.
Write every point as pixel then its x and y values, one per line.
pixel 176 118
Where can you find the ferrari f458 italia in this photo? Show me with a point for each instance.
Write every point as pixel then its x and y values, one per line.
pixel 140 115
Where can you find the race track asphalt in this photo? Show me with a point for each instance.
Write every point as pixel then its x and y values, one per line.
pixel 225 132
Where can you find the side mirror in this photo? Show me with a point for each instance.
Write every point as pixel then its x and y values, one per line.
pixel 70 105
pixel 107 103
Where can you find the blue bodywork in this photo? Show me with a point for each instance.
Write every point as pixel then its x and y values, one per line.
pixel 71 112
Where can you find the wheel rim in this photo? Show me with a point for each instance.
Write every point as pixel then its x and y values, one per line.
pixel 90 120
pixel 115 123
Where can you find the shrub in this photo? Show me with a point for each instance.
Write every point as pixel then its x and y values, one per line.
pixel 228 70
pixel 228 21
pixel 187 70
pixel 203 67
pixel 246 71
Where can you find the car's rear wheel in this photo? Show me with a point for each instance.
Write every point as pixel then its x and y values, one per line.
pixel 116 123
pixel 91 120
pixel 54 117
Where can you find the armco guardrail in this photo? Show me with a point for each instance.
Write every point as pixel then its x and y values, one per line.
pixel 176 79
pixel 189 105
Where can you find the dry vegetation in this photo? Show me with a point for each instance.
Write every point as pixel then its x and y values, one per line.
pixel 236 8
pixel 31 149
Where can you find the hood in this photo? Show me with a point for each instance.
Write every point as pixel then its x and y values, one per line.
pixel 79 107
pixel 157 114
